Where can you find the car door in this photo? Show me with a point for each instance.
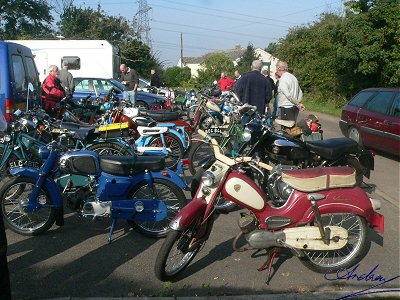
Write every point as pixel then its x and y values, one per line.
pixel 372 119
pixel 392 126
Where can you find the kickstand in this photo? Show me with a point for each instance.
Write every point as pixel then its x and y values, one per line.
pixel 111 230
pixel 271 254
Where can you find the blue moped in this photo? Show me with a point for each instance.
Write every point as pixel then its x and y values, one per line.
pixel 137 189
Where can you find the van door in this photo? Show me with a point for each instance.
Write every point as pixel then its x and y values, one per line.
pixel 42 64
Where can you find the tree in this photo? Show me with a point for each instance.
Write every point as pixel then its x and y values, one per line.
pixel 246 59
pixel 212 66
pixel 25 19
pixel 176 76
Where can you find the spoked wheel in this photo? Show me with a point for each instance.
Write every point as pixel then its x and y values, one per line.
pixel 108 148
pixel 174 255
pixel 199 153
pixel 173 197
pixel 14 196
pixel 173 143
pixel 191 112
pixel 349 255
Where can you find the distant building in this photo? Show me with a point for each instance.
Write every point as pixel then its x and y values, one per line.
pixel 234 54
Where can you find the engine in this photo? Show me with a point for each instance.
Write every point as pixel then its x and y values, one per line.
pixel 278 191
pixel 96 209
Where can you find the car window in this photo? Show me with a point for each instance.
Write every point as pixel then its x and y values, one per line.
pixel 395 111
pixel 83 86
pixel 381 103
pixel 142 83
pixel 32 75
pixel 19 73
pixel 361 98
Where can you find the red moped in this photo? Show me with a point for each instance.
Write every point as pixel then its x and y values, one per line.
pixel 324 220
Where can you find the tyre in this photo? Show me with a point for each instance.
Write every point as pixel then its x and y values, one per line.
pixel 174 144
pixel 174 256
pixel 13 206
pixel 350 254
pixel 356 165
pixel 199 153
pixel 109 148
pixel 141 104
pixel 354 134
pixel 173 197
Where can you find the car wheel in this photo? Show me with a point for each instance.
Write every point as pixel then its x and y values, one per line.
pixel 354 134
pixel 140 104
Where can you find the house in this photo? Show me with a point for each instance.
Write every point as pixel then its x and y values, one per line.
pixel 194 63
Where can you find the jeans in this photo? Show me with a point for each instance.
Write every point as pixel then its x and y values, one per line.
pixel 130 96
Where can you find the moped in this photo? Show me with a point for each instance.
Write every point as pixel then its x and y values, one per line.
pixel 138 189
pixel 324 220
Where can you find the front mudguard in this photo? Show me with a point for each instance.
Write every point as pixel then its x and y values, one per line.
pixel 50 186
pixel 188 214
pixel 171 176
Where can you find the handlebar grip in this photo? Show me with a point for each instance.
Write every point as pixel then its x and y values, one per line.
pixel 265 166
pixel 202 133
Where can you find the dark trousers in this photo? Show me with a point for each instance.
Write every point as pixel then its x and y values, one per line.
pixel 289 113
pixel 5 289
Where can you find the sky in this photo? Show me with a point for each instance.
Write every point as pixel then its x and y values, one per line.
pixel 213 25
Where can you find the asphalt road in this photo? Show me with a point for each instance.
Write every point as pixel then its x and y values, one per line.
pixel 76 261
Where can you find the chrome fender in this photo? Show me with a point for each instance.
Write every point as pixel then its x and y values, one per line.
pixel 50 185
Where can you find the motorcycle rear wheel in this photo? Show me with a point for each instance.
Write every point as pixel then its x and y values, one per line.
pixel 173 257
pixel 13 204
pixel 199 152
pixel 172 142
pixel 350 254
pixel 173 197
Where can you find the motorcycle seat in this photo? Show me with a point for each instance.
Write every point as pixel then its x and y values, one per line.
pixel 130 165
pixel 83 133
pixel 320 178
pixel 333 148
pixel 75 126
pixel 145 122
pixel 161 116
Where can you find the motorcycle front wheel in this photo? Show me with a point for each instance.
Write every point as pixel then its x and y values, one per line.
pixel 174 256
pixel 14 204
pixel 350 254
pixel 173 197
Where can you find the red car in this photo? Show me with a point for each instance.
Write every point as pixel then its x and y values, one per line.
pixel 372 118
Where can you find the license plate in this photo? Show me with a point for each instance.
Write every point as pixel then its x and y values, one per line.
pixel 24 163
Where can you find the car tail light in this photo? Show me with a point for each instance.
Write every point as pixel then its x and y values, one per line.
pixel 9 109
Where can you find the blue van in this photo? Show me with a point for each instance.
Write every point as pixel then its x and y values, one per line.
pixel 17 70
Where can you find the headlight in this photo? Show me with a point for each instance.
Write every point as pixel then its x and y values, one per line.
pixel 246 135
pixel 208 178
pixel 139 206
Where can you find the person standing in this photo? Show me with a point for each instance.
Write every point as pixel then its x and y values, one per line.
pixel 155 79
pixel 5 288
pixel 237 75
pixel 289 93
pixel 225 82
pixel 130 79
pixel 253 88
pixel 67 80
pixel 275 109
pixel 52 90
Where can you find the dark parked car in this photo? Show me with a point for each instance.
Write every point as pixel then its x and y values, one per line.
pixel 99 87
pixel 372 118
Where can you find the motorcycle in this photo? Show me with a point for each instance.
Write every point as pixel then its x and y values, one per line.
pixel 137 189
pixel 317 222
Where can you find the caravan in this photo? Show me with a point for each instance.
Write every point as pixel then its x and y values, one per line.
pixel 86 58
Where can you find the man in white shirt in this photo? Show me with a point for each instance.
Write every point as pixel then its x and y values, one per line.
pixel 289 93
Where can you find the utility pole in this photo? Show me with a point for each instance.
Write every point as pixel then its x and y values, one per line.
pixel 143 27
pixel 181 51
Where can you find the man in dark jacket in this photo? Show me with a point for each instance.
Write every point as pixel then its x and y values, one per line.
pixel 67 80
pixel 253 88
pixel 130 79
pixel 155 79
